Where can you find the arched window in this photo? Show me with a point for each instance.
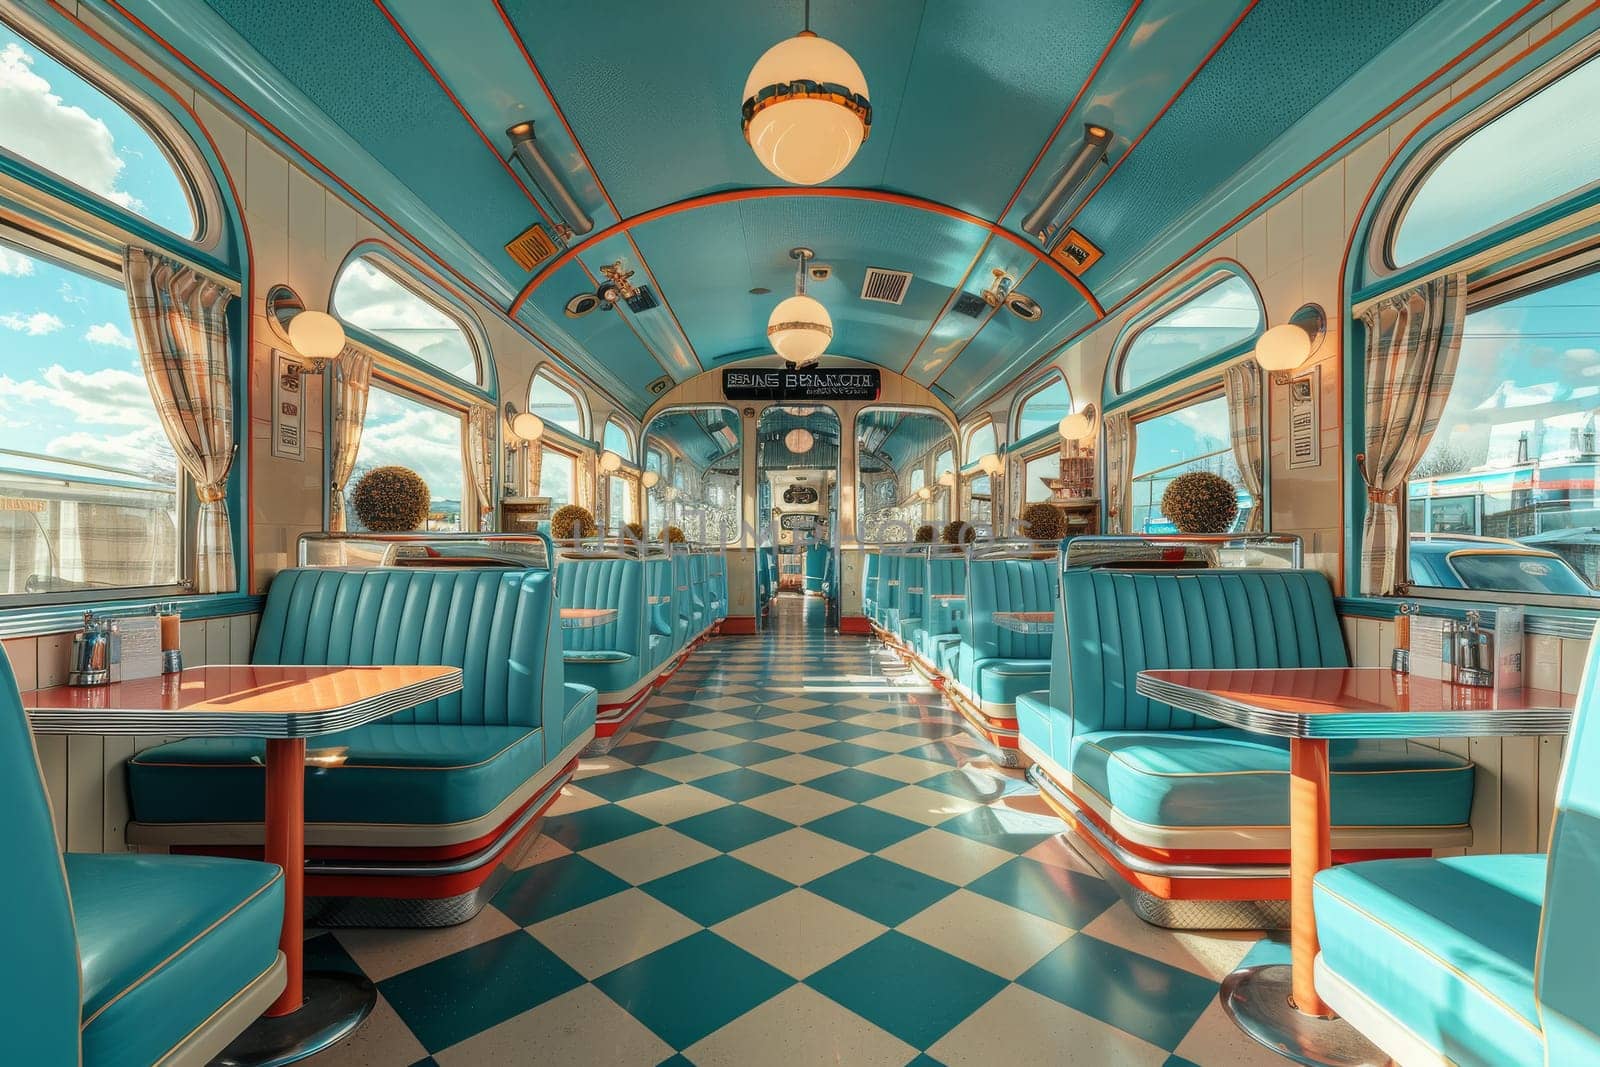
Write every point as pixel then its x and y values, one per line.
pixel 980 441
pixel 371 296
pixel 54 119
pixel 1043 406
pixel 1537 149
pixel 1223 312
pixel 618 438
pixel 558 403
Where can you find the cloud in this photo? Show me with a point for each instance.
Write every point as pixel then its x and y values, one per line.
pixel 14 264
pixel 36 325
pixel 107 397
pixel 108 333
pixel 136 451
pixel 38 125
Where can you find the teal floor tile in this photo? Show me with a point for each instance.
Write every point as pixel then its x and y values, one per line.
pixel 732 827
pixel 1015 831
pixel 640 751
pixel 692 987
pixel 975 785
pixel 717 889
pixel 1062 896
pixel 742 784
pixel 1132 992
pixel 841 731
pixel 747 752
pixel 620 785
pixel 884 892
pixel 553 887
pixel 579 830
pixel 865 828
pixel 752 731
pixel 847 753
pixel 453 998
pixel 851 784
pixel 666 728
pixel 913 990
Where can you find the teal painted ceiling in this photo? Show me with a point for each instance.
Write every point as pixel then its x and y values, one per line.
pixel 975 106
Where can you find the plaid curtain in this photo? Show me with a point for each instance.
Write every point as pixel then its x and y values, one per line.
pixel 349 385
pixel 1119 472
pixel 480 461
pixel 1413 339
pixel 1242 386
pixel 180 321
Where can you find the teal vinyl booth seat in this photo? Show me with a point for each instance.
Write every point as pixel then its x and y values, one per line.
pixel 936 640
pixel 890 564
pixel 613 659
pixel 662 636
pixel 1478 960
pixel 123 960
pixel 871 564
pixel 907 614
pixel 458 781
pixel 718 561
pixel 993 665
pixel 682 599
pixel 699 594
pixel 1153 789
pixel 818 569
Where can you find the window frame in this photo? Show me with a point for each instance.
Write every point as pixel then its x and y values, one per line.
pixel 1029 392
pixel 1511 283
pixel 404 276
pixel 1400 192
pixel 1212 388
pixel 629 454
pixel 1204 278
pixel 967 433
pixel 409 389
pixel 550 372
pixel 736 538
pixel 925 463
pixel 180 149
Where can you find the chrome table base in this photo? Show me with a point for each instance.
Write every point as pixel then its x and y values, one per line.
pixel 335 1004
pixel 1257 1000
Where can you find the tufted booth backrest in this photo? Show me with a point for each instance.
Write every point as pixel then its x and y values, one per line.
pixel 890 567
pixel 871 564
pixel 1569 938
pixel 605 583
pixel 682 599
pixel 946 573
pixel 658 586
pixel 913 575
pixel 817 559
pixel 1007 585
pixel 1119 623
pixel 495 624
pixel 700 584
pixel 40 999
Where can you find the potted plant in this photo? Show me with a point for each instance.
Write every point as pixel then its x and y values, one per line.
pixel 1200 502
pixel 391 500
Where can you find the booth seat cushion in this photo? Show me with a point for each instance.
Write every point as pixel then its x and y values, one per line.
pixel 1228 777
pixel 947 654
pixel 164 942
pixel 1001 681
pixel 909 626
pixel 392 773
pixel 1445 947
pixel 607 670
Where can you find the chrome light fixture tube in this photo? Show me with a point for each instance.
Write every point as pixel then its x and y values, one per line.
pixel 1096 139
pixel 546 178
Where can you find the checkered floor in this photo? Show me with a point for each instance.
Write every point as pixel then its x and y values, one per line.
pixel 796 857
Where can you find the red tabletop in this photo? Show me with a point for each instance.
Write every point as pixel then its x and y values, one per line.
pixel 1358 702
pixel 239 700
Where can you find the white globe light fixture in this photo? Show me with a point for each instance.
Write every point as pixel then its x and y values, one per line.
pixel 527 426
pixel 316 335
pixel 610 462
pixel 805 111
pixel 924 493
pixel 1288 345
pixel 991 464
pixel 649 479
pixel 1079 426
pixel 799 441
pixel 800 328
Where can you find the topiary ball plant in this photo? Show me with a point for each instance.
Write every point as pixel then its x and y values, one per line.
pixel 925 534
pixel 633 531
pixel 1043 522
pixel 958 533
pixel 391 500
pixel 571 521
pixel 1200 503
pixel 672 535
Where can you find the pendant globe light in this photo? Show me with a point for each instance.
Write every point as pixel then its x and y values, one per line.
pixel 800 328
pixel 799 441
pixel 805 108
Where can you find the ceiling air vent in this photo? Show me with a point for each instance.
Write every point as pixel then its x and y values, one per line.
pixel 886 286
pixel 660 385
pixel 969 304
pixel 531 247
pixel 642 299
